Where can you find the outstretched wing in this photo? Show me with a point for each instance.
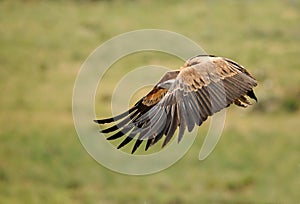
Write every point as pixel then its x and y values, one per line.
pixel 185 98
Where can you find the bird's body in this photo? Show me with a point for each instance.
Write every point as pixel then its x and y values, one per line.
pixel 183 98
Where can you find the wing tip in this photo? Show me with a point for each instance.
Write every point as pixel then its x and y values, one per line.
pixel 103 121
pixel 252 95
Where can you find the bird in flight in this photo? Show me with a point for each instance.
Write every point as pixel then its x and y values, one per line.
pixel 182 99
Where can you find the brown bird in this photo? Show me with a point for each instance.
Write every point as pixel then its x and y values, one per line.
pixel 183 98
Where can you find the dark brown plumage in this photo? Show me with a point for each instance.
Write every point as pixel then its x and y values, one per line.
pixel 183 98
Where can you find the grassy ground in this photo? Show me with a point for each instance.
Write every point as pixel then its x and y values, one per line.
pixel 43 45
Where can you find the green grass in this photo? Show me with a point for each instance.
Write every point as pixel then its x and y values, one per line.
pixel 42 46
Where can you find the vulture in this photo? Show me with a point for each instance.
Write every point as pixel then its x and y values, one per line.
pixel 182 99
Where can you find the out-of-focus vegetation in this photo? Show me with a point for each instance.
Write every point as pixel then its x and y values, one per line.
pixel 44 43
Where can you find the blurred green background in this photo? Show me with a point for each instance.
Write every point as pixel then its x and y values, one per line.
pixel 44 43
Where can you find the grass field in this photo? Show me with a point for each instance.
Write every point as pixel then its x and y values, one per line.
pixel 43 45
